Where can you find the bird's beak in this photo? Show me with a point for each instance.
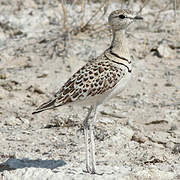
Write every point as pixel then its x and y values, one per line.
pixel 138 18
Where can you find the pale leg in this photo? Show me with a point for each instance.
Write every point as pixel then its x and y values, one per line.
pixel 91 127
pixel 86 126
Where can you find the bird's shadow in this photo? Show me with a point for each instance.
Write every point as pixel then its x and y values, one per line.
pixel 13 163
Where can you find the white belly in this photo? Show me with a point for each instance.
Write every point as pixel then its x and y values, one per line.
pixel 100 98
pixel 120 86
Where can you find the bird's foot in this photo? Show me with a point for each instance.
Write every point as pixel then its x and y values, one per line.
pixel 97 173
pixel 87 170
pixel 92 171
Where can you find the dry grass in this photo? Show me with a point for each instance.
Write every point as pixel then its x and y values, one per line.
pixel 76 17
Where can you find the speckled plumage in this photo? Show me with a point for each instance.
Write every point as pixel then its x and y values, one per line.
pixel 99 79
pixel 93 79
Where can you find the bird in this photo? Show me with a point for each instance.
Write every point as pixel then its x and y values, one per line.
pixel 98 80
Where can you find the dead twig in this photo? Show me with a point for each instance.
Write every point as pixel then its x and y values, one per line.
pixel 84 27
pixel 64 15
pixel 174 7
pixel 156 122
pixel 158 15
pixel 145 3
pixel 83 5
pixel 112 115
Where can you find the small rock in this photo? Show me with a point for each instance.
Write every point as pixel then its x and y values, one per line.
pixel 12 121
pixel 170 144
pixel 3 76
pixel 176 149
pixel 43 75
pixel 35 89
pixel 128 132
pixel 164 50
pixel 101 134
pixel 139 137
pixel 123 132
pixel 159 137
pixel 106 120
pixel 3 93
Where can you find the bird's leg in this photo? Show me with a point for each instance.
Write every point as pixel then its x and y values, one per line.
pixel 86 127
pixel 91 127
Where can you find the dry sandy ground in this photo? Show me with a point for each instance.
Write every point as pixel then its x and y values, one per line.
pixel 137 136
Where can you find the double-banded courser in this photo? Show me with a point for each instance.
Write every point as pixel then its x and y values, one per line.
pixel 98 80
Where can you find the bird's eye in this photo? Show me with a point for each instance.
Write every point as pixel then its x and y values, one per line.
pixel 121 16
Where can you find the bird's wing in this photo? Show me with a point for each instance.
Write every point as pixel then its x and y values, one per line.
pixel 95 78
pixel 92 79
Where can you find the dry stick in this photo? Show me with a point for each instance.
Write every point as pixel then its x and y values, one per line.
pixel 166 68
pixel 157 17
pixel 131 2
pixel 95 23
pixel 174 7
pixel 100 27
pixel 176 29
pixel 145 38
pixel 83 28
pixel 145 3
pixel 73 4
pixel 83 5
pixel 64 15
pixel 145 48
pixel 66 35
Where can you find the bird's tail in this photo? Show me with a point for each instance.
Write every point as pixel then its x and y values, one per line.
pixel 45 106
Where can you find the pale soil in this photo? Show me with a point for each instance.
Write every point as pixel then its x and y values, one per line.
pixel 137 136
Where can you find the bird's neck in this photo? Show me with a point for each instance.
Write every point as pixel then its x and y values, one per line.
pixel 119 44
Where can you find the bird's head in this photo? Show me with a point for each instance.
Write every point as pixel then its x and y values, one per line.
pixel 121 19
